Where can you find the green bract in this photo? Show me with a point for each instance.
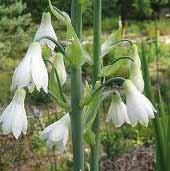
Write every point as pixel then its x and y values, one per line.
pixel 55 89
pixel 89 113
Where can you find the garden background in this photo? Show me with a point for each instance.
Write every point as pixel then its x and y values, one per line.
pixel 143 21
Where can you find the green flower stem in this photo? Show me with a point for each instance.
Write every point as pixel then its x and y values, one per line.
pixel 58 45
pixel 94 164
pixel 76 95
pixel 124 57
pixel 116 81
pixel 121 41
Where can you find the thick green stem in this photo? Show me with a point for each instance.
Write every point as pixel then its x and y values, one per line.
pixel 76 17
pixel 94 164
pixel 76 94
pixel 76 120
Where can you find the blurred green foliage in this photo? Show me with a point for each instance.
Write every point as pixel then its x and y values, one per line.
pixel 117 141
pixel 15 29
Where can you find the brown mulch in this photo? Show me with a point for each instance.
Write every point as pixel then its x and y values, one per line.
pixel 140 159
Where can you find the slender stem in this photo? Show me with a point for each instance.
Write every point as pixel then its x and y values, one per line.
pixel 94 164
pixel 58 45
pixel 76 17
pixel 116 80
pixel 120 41
pixel 124 57
pixel 76 94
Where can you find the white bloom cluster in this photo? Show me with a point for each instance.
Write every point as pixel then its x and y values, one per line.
pixel 31 73
pixel 137 108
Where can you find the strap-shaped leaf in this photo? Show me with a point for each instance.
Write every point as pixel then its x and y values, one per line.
pixel 89 114
pixel 56 91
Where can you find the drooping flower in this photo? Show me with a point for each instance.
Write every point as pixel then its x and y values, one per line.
pixel 135 71
pixel 57 133
pixel 31 72
pixel 60 67
pixel 117 112
pixel 139 108
pixel 14 119
pixel 46 29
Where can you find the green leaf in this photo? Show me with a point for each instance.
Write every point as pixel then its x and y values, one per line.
pixel 90 111
pixel 55 90
pixel 110 70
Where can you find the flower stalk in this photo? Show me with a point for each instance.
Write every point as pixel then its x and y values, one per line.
pixel 76 94
pixel 94 164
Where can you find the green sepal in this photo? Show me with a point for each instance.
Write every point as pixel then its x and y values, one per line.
pixel 75 54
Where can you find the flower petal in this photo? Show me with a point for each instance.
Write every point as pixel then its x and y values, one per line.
pixel 44 30
pixel 22 74
pixel 39 71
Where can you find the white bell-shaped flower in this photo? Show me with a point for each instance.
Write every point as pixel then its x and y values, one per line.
pixel 60 67
pixel 46 29
pixel 14 119
pixel 135 70
pixel 31 72
pixel 117 112
pixel 139 108
pixel 57 133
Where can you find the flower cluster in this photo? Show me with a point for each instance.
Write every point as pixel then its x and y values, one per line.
pixel 31 73
pixel 137 108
